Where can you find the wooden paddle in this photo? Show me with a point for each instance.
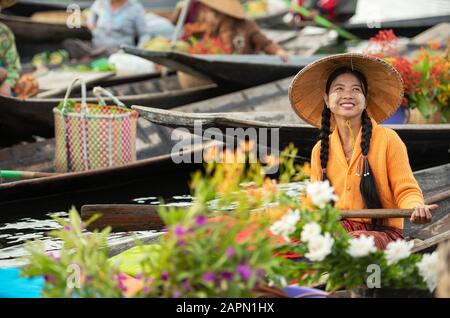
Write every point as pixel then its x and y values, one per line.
pixel 136 217
pixel 10 175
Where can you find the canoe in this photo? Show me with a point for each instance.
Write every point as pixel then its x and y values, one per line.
pixel 28 7
pixel 271 20
pixel 405 28
pixel 237 70
pixel 149 176
pixel 63 78
pixel 20 120
pixel 267 106
pixel 29 31
pixel 420 140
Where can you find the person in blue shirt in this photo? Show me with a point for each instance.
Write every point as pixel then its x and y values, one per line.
pixel 112 23
pixel 117 22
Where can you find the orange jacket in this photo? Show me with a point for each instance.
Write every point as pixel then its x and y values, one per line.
pixel 388 158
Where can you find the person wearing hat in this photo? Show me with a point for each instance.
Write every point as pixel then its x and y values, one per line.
pixel 9 58
pixel 227 20
pixel 346 96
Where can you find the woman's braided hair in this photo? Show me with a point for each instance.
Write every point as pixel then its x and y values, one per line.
pixel 367 184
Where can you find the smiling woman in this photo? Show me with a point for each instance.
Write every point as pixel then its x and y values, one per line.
pixel 346 96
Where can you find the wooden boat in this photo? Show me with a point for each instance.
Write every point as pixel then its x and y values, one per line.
pixel 267 106
pixel 420 140
pixel 405 28
pixel 237 70
pixel 29 31
pixel 271 20
pixel 149 176
pixel 28 7
pixel 21 120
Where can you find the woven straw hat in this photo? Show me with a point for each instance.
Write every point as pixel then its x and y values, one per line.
pixel 232 8
pixel 7 3
pixel 385 86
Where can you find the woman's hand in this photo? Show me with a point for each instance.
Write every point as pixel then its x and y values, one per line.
pixel 422 213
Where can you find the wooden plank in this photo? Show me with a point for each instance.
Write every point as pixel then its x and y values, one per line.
pixel 55 82
pixel 436 228
pixel 432 242
pixel 136 217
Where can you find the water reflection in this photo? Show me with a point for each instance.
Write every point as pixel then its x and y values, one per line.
pixel 13 235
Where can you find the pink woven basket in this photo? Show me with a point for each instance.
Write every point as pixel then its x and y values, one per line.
pixel 93 136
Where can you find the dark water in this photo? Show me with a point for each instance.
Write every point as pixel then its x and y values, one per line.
pixel 13 234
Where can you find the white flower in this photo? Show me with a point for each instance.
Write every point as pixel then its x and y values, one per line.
pixel 321 193
pixel 319 247
pixel 361 246
pixel 397 250
pixel 310 231
pixel 286 225
pixel 428 269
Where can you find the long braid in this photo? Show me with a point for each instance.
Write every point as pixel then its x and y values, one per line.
pixel 325 140
pixel 367 185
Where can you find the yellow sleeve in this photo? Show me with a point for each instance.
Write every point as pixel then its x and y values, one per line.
pixel 406 190
pixel 316 173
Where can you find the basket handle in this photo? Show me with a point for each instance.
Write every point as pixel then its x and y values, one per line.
pixel 83 94
pixel 99 91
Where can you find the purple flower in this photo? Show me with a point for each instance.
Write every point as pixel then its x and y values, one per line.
pixel 245 271
pixel 67 228
pixel 191 230
pixel 176 294
pixel 178 230
pixel 200 220
pixel 146 289
pixel 165 276
pixel 230 252
pixel 49 278
pixel 181 242
pixel 209 277
pixel 121 277
pixel 227 275
pixel 185 285
pixel 53 257
pixel 260 273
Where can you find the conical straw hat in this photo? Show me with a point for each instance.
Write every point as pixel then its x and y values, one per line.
pixel 385 86
pixel 232 8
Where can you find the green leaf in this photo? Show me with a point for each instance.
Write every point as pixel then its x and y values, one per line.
pixel 423 106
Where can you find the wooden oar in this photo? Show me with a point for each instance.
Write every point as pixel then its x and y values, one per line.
pixel 9 175
pixel 137 217
pixel 123 217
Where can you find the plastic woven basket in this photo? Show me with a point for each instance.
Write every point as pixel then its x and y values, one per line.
pixel 93 136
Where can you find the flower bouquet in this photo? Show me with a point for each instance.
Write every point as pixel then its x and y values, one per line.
pixel 243 234
pixel 426 77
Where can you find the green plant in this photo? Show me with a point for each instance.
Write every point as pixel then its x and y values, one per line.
pixel 233 239
pixel 426 78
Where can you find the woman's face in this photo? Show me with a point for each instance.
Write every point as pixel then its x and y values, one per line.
pixel 345 98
